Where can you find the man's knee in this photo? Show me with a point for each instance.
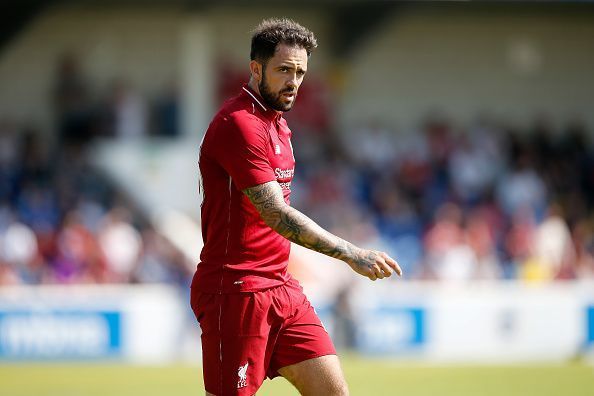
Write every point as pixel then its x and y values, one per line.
pixel 328 386
pixel 339 388
pixel 336 386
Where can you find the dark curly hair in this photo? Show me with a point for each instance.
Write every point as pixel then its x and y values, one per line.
pixel 272 32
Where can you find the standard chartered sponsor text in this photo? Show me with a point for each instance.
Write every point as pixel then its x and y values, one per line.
pixel 284 173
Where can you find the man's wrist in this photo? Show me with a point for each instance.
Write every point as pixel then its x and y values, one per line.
pixel 348 252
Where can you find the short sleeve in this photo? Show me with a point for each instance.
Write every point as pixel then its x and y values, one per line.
pixel 243 151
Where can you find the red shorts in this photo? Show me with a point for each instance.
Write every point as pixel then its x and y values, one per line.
pixel 248 336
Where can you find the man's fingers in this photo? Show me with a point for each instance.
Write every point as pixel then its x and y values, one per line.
pixel 386 269
pixel 381 269
pixel 377 271
pixel 392 263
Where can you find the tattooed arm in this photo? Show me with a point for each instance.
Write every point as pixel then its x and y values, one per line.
pixel 300 229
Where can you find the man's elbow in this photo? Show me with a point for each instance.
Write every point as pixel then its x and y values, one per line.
pixel 273 217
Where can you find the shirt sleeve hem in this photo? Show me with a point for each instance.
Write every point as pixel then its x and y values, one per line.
pixel 254 182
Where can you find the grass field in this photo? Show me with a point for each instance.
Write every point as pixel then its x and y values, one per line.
pixel 366 378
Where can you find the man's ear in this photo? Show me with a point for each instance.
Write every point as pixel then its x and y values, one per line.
pixel 256 70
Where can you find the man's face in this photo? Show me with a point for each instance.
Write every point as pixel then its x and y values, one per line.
pixel 282 76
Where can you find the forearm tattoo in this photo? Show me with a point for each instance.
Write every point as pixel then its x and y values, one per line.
pixel 294 225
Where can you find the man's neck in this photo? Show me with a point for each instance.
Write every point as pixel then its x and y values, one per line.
pixel 254 86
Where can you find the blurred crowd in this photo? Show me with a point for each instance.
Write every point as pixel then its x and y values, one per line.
pixel 456 204
pixel 450 202
pixel 61 220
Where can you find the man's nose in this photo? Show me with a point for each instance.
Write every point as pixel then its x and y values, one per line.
pixel 292 82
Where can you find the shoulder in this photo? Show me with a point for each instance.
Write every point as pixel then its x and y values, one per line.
pixel 243 125
pixel 244 119
pixel 238 114
pixel 236 129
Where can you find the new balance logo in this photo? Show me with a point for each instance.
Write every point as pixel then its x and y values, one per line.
pixel 277 149
pixel 242 373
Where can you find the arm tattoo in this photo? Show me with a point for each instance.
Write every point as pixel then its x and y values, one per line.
pixel 294 225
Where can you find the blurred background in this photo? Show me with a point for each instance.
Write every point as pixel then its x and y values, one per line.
pixel 458 137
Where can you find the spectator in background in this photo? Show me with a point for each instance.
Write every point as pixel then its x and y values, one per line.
pixel 519 240
pixel 583 239
pixel 160 262
pixel 78 258
pixel 554 253
pixel 121 245
pixel 166 112
pixel 395 214
pixel 449 258
pixel 522 187
pixel 8 275
pixel 37 206
pixel 9 159
pixel 35 158
pixel 155 259
pixel 480 237
pixel 472 168
pixel 128 112
pixel 328 192
pixel 72 104
pixel 427 180
pixel 372 147
pixel 91 214
pixel 438 132
pixel 344 329
pixel 19 251
pixel 9 143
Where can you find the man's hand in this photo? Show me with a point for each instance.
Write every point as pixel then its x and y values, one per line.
pixel 373 264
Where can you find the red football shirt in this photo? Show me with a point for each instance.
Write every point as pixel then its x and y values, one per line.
pixel 246 144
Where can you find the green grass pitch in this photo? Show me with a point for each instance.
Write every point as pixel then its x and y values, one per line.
pixel 366 377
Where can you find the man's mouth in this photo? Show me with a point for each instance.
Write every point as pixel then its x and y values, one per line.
pixel 289 95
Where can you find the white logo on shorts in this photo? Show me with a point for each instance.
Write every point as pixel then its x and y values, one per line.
pixel 242 373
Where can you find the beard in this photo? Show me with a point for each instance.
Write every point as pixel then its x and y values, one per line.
pixel 274 99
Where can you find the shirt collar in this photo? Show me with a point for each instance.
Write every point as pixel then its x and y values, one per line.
pixel 258 102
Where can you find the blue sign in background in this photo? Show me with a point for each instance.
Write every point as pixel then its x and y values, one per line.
pixel 391 330
pixel 590 324
pixel 59 334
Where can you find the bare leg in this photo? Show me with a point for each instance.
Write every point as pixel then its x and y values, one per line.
pixel 318 376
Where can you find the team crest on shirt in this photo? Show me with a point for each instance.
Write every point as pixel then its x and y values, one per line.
pixel 242 373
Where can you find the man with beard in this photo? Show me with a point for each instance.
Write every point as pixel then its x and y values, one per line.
pixel 255 320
